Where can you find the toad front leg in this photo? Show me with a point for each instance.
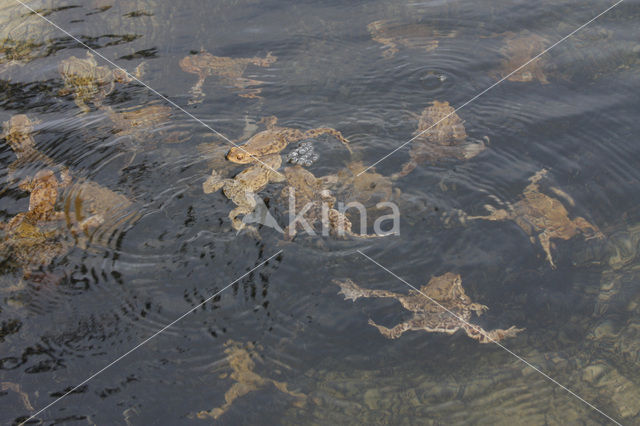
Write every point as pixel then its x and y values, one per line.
pixel 213 183
pixel 590 231
pixel 407 168
pixel 81 104
pixel 392 333
pixel 494 214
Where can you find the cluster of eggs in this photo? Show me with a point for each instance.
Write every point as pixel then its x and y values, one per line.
pixel 303 155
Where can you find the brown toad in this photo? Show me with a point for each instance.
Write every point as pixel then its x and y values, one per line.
pixel 215 152
pixel 89 205
pixel 17 132
pixel 132 122
pixel 24 397
pixel 412 36
pixel 542 216
pixel 44 195
pixel 90 82
pixel 517 51
pixel 314 204
pixel 357 183
pixel 241 360
pixel 440 306
pixel 30 247
pixel 440 135
pixel 230 71
pixel 18 52
pixel 244 186
pixel 274 139
pixel 143 127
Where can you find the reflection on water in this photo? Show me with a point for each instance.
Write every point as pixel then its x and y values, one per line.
pixel 108 235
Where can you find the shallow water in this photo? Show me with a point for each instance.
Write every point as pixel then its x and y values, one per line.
pixel 98 301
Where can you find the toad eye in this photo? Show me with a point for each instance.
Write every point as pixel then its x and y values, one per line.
pixel 239 156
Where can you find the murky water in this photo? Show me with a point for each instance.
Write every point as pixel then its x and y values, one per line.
pixel 164 246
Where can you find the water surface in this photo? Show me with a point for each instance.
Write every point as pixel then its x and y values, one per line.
pixel 98 302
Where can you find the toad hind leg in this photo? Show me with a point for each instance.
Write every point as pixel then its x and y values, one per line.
pixel 545 241
pixel 282 387
pixel 353 291
pixel 392 333
pixel 235 391
pixel 406 169
pixel 313 133
pixel 237 223
pixel 493 336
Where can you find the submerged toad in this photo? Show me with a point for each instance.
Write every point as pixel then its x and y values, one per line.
pixel 241 359
pixel 542 216
pixel 315 204
pixel 243 187
pixel 440 306
pixel 274 139
pixel 440 135
pixel 519 49
pixel 135 121
pixel 144 127
pixel 42 202
pixel 411 36
pixel 26 242
pixel 31 247
pixel 89 205
pixel 90 82
pixel 18 52
pixel 368 187
pixel 17 132
pixel 229 70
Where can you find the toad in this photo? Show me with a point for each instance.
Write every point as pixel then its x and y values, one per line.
pixel 134 121
pixel 241 359
pixel 440 135
pixel 368 187
pixel 42 202
pixel 542 216
pixel 17 132
pixel 314 203
pixel 229 70
pixel 31 247
pixel 143 127
pixel 14 52
pixel 411 36
pixel 90 82
pixel 243 187
pixel 517 51
pixel 89 205
pixel 274 139
pixel 440 306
